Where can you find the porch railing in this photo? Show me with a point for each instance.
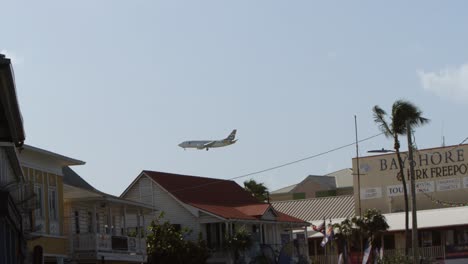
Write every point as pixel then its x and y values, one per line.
pixel 434 252
pixel 108 243
pixel 429 253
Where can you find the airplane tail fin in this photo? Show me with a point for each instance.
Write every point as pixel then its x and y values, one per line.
pixel 232 135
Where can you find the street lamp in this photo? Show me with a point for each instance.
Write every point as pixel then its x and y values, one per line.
pixel 380 151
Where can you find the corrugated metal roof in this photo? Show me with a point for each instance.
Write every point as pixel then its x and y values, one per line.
pixel 318 208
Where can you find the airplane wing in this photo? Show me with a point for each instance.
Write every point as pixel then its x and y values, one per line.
pixel 209 144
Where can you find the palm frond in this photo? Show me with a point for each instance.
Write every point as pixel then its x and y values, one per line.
pixel 403 111
pixel 379 118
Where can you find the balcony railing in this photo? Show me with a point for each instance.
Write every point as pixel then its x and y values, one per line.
pixel 108 243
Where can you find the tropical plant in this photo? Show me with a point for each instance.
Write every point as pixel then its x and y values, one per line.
pixel 257 189
pixel 345 232
pixel 167 244
pixel 238 242
pixel 403 112
pixel 369 226
pixel 372 224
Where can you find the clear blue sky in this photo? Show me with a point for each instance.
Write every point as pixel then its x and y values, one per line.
pixel 119 84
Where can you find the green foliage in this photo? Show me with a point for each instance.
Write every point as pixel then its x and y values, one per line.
pixel 372 224
pixel 402 111
pixel 257 189
pixel 240 241
pixel 166 244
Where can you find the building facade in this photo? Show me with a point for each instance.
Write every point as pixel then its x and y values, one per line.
pixel 102 227
pixel 12 184
pixel 441 176
pixel 313 186
pixel 214 209
pixel 441 179
pixel 43 171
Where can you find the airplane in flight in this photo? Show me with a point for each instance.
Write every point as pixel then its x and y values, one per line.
pixel 207 144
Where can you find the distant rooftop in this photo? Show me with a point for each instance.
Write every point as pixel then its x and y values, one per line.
pixel 325 181
pixel 318 208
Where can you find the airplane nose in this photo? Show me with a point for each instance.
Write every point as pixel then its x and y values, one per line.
pixel 180 145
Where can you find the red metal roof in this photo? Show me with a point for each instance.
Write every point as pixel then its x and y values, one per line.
pixel 224 198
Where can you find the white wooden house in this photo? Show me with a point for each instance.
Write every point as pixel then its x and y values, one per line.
pixel 103 227
pixel 215 208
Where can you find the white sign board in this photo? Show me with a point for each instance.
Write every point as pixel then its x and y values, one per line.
pixel 371 193
pixel 426 187
pixel 465 182
pixel 396 190
pixel 448 184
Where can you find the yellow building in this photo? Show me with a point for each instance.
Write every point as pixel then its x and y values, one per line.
pixel 44 171
pixel 441 174
pixel 441 194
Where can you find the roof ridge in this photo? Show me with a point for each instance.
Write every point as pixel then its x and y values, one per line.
pixel 194 176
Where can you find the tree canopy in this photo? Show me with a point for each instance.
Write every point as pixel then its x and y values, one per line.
pixel 258 190
pixel 166 243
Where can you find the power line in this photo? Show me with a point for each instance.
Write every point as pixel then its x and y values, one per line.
pixel 280 166
pixel 306 158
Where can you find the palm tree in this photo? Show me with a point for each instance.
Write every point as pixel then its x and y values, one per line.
pixel 402 112
pixel 345 233
pixel 372 224
pixel 257 189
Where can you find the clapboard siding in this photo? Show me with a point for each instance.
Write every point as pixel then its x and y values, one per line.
pixel 146 191
pixel 175 212
pixel 133 194
pixel 6 172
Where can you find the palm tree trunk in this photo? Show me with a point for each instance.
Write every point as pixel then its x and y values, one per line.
pixel 405 193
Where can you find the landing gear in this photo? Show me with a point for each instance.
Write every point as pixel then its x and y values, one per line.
pixel 206 149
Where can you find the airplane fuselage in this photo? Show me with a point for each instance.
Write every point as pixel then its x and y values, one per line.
pixel 201 144
pixel 207 144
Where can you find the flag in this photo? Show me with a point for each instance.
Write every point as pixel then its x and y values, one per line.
pixel 378 253
pixel 367 252
pixel 319 228
pixel 328 236
pixel 340 259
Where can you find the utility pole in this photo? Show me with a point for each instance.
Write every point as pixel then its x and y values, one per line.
pixel 358 182
pixel 414 227
pixel 357 166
